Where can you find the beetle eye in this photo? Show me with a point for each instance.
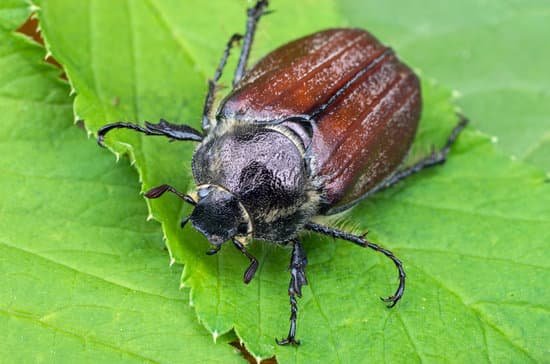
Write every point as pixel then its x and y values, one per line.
pixel 242 229
pixel 203 192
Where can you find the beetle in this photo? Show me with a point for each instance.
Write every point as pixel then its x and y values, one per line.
pixel 314 127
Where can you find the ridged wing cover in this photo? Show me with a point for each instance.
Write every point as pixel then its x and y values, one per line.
pixel 365 134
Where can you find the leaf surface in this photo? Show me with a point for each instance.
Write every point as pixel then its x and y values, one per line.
pixel 84 277
pixel 472 233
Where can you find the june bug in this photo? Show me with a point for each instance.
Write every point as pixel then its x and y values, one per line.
pixel 315 126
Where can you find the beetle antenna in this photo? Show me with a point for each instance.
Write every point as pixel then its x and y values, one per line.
pixel 253 267
pixel 158 191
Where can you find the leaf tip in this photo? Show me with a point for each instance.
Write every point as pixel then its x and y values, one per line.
pixel 215 335
pixel 172 261
pixel 149 217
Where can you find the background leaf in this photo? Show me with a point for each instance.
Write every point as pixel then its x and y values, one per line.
pixel 84 278
pixel 493 52
pixel 472 234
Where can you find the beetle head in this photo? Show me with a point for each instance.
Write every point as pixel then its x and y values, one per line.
pixel 219 216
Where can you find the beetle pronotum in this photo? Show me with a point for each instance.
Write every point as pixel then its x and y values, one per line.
pixel 315 126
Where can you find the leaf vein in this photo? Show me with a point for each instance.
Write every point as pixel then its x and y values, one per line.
pixel 48 259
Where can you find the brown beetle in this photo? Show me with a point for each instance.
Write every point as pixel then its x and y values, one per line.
pixel 312 128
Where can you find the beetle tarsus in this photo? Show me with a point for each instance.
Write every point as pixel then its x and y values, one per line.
pixel 362 242
pixel 298 262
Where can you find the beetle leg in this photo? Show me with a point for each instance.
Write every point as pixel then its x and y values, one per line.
pixel 254 15
pixel 434 159
pixel 339 234
pixel 253 267
pixel 298 262
pixel 210 96
pixel 163 128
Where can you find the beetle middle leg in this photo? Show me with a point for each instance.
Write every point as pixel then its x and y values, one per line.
pixel 362 242
pixel 436 158
pixel 298 262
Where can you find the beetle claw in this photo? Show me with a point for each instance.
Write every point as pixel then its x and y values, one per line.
pixel 287 341
pixel 391 301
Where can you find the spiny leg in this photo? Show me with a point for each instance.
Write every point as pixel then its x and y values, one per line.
pixel 163 128
pixel 254 15
pixel 253 267
pixel 361 241
pixel 298 262
pixel 434 159
pixel 212 84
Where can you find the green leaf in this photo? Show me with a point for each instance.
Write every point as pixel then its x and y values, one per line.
pixel 493 52
pixel 472 233
pixel 12 14
pixel 84 277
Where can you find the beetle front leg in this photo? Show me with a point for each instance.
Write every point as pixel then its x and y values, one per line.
pixel 163 128
pixel 298 262
pixel 362 242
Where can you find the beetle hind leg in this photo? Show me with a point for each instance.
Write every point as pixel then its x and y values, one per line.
pixel 362 242
pixel 434 159
pixel 298 262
